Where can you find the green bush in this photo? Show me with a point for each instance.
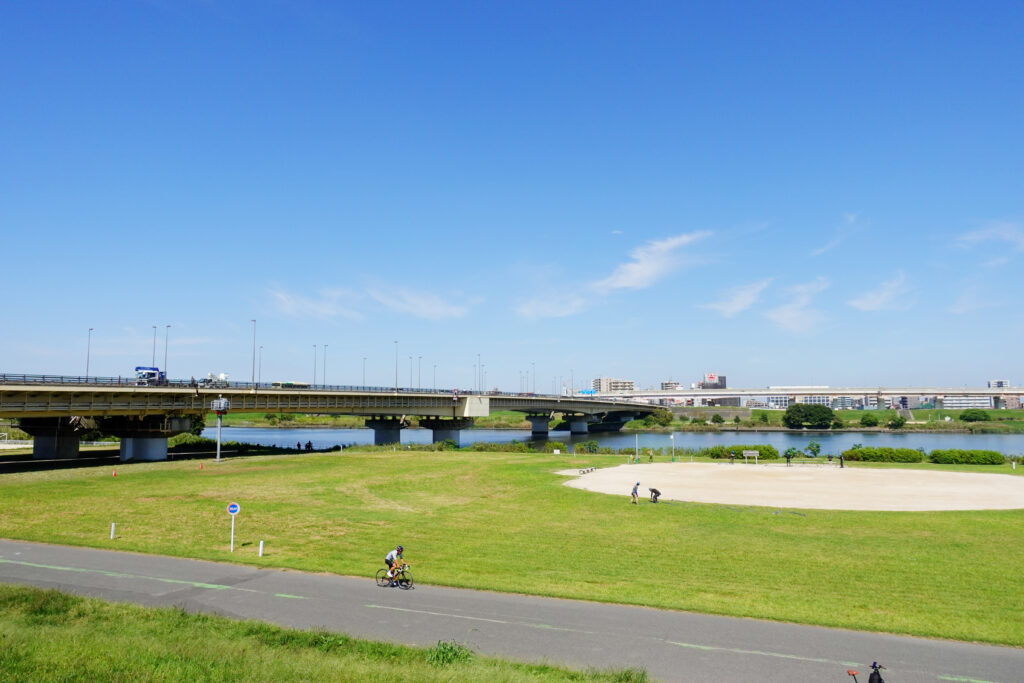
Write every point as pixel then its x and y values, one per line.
pixel 717 419
pixel 884 455
pixel 586 447
pixel 897 422
pixel 974 415
pixel 868 420
pixel 764 451
pixel 448 652
pixel 807 416
pixel 954 456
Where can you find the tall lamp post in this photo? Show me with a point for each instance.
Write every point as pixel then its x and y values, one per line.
pixel 88 349
pixel 220 405
pixel 167 332
pixel 253 380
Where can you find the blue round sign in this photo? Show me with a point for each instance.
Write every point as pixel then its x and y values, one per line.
pixel 233 508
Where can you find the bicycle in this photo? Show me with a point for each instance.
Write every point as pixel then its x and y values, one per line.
pixel 875 676
pixel 402 577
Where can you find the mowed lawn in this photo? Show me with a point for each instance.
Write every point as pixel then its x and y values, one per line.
pixel 504 522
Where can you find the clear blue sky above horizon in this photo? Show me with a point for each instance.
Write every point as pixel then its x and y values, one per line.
pixel 804 193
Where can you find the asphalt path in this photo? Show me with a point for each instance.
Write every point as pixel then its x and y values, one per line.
pixel 672 646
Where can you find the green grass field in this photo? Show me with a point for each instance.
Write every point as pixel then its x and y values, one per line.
pixel 505 522
pixel 52 636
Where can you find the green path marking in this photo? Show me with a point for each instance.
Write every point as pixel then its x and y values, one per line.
pixel 121 575
pixel 964 679
pixel 493 621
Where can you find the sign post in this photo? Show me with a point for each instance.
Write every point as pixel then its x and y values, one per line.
pixel 233 510
pixel 220 405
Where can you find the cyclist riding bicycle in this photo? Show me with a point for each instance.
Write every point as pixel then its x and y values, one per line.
pixel 394 561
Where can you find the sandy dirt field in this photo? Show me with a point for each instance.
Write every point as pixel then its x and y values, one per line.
pixel 816 487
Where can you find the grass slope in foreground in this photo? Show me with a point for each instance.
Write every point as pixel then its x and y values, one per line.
pixel 53 636
pixel 504 521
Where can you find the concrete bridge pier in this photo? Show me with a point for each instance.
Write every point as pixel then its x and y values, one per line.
pixel 539 424
pixel 578 424
pixel 386 430
pixel 145 438
pixel 446 428
pixel 53 438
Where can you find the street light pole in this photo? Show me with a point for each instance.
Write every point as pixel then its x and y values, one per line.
pixel 153 363
pixel 253 380
pixel 167 333
pixel 88 349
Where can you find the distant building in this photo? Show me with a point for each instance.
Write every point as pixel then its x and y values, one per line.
pixel 778 401
pixel 669 385
pixel 1011 402
pixel 813 400
pixel 712 381
pixel 604 385
pixel 964 402
pixel 843 403
pixel 999 384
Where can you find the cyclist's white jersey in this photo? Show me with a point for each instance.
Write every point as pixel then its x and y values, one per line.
pixel 393 555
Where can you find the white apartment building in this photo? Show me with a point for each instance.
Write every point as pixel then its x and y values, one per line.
pixel 604 385
pixel 964 402
pixel 999 384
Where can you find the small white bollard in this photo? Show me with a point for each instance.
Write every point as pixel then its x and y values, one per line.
pixel 112 525
pixel 261 548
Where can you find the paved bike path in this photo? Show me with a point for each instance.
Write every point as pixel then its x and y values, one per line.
pixel 673 646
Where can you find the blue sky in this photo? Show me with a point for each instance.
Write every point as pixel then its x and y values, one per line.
pixel 817 193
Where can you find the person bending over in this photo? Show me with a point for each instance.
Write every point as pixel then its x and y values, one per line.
pixel 654 495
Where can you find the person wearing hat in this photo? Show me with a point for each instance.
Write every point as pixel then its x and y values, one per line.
pixel 654 495
pixel 636 495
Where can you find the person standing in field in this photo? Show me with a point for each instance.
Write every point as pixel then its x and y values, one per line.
pixel 636 495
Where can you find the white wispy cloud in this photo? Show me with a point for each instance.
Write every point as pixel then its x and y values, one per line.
pixel 616 232
pixel 649 263
pixel 890 295
pixel 739 299
pixel 969 300
pixel 328 303
pixel 841 233
pixel 556 306
pixel 417 303
pixel 797 315
pixel 999 231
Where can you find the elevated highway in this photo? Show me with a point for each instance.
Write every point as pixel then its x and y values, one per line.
pixel 57 409
pixel 776 396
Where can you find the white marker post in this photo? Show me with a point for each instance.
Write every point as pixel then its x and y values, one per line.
pixel 112 525
pixel 261 548
pixel 233 510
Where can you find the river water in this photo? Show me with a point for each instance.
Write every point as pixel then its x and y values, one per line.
pixel 831 442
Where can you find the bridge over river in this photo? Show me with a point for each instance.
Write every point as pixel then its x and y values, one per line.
pixel 56 410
